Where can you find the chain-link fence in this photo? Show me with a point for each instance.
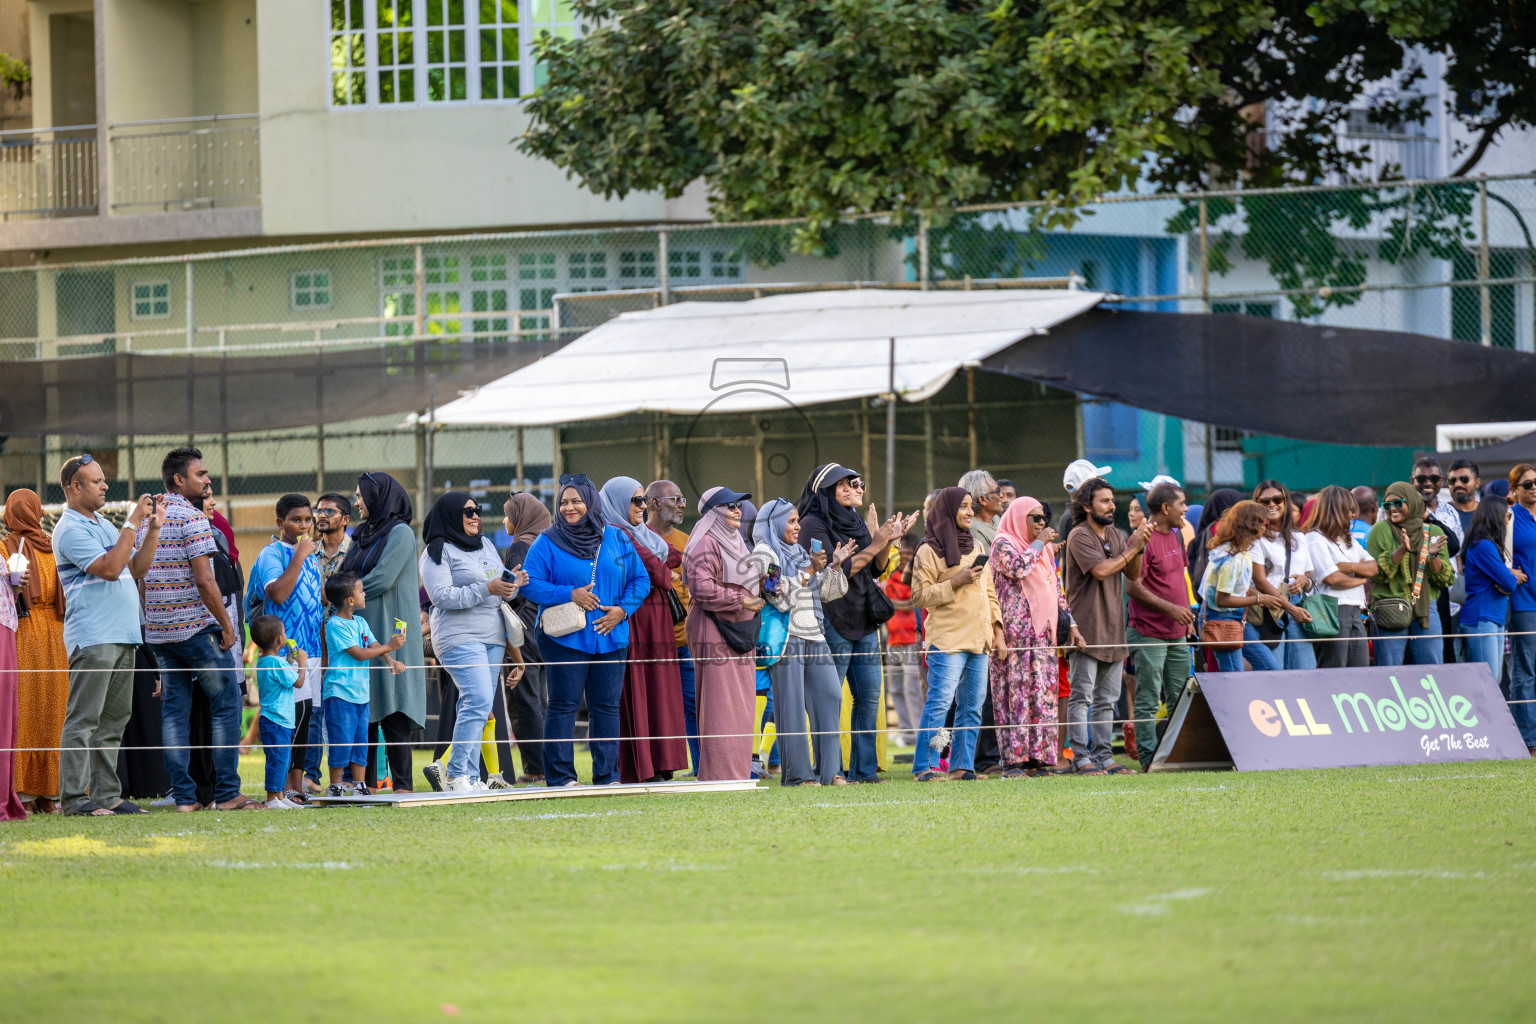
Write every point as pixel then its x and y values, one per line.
pixel 1452 259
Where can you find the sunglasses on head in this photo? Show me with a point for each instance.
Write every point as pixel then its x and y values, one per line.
pixel 1393 503
pixel 84 460
pixel 1427 478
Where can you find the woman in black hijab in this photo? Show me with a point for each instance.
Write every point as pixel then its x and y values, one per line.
pixel 829 513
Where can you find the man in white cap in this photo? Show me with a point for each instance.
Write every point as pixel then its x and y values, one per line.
pixel 1080 471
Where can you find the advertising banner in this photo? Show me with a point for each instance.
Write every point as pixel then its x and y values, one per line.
pixel 1336 718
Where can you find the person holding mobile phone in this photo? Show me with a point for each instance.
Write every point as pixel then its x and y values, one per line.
pixel 964 626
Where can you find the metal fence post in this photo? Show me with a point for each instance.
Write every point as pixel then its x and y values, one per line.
pixel 890 437
pixel 189 305
pixel 663 270
pixel 970 418
pixel 922 253
pixel 1485 299
pixel 520 475
pixel 419 327
pixel 1205 307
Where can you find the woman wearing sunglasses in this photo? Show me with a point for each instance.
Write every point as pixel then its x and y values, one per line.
pixel 585 577
pixel 462 574
pixel 1490 583
pixel 1281 563
pixel 1522 604
pixel 1414 569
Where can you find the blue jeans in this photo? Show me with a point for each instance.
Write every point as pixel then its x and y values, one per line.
pixel 1427 647
pixel 1484 641
pixel 1522 674
pixel 1297 652
pixel 347 729
pixel 197 661
pixel 690 705
pixel 1260 657
pixel 960 677
pixel 601 678
pixel 275 741
pixel 316 738
pixel 859 663
pixel 475 669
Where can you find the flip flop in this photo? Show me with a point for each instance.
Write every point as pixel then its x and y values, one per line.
pixel 128 807
pixel 1118 769
pixel 243 803
pixel 86 809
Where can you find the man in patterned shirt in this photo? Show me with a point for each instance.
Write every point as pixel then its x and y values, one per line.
pixel 333 514
pixel 191 636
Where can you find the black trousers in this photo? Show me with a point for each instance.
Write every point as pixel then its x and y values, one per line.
pixel 396 730
pixel 527 704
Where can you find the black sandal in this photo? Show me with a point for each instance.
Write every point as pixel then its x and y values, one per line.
pixel 86 809
pixel 128 807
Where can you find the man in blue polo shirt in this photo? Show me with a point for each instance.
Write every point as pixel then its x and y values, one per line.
pixel 98 566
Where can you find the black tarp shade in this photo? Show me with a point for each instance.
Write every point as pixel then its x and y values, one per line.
pixel 1496 460
pixel 1312 383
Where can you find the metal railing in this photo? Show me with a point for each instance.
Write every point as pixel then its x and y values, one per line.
pixel 185 163
pixel 1387 156
pixel 48 172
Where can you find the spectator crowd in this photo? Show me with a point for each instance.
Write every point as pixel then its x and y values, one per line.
pixel 783 638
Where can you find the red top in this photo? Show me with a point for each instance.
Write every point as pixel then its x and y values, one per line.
pixel 901 630
pixel 1162 572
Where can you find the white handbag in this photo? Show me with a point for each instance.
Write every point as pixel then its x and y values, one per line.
pixel 512 624
pixel 570 617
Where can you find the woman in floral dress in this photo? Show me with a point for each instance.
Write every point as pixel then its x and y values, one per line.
pixel 1023 676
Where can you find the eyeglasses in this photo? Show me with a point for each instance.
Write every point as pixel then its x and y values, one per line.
pixel 1393 504
pixel 326 513
pixel 1274 500
pixel 675 500
pixel 1427 478
pixel 1459 480
pixel 637 502
pixel 84 460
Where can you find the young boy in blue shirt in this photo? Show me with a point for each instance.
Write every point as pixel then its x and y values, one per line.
pixel 275 679
pixel 350 645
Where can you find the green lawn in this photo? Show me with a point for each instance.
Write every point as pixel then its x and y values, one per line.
pixel 1368 894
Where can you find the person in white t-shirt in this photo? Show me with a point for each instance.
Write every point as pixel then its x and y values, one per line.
pixel 1280 565
pixel 1340 568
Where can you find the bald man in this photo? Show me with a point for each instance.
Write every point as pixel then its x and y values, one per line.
pixel 1365 512
pixel 665 509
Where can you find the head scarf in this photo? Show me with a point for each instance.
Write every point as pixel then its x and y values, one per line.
pixel 616 496
pixel 748 519
pixel 24 520
pixel 736 564
pixel 1215 507
pixel 216 518
pixel 1039 584
pixel 942 533
pixel 388 506
pixel 768 529
pixel 527 515
pixel 819 498
pixel 1499 488
pixel 1413 523
pixel 583 537
pixel 445 525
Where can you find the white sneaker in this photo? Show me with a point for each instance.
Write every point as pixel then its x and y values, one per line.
pixel 477 785
pixel 434 773
pixel 461 784
pixel 282 804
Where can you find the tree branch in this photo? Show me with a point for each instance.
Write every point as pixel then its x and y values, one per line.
pixel 1490 131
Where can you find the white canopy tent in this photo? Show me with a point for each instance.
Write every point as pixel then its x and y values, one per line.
pixel 745 356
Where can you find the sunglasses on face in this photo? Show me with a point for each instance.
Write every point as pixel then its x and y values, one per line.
pixel 637 502
pixel 1526 485
pixel 1427 478
pixel 1460 480
pixel 732 506
pixel 676 500
pixel 1393 505
pixel 1274 500
pixel 471 513
pixel 326 513
pixel 856 484
pixel 1037 520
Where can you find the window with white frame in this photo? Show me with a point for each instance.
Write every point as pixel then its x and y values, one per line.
pixel 151 300
pixel 310 289
pixel 390 53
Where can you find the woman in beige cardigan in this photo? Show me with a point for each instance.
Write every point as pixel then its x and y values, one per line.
pixel 964 625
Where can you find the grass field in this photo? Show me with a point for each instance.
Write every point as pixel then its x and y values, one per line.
pixel 1363 894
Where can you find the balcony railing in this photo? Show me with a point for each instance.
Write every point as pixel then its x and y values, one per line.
pixel 185 163
pixel 48 172
pixel 1386 155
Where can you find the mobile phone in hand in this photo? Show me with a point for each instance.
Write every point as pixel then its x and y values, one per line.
pixel 981 562
pixel 816 546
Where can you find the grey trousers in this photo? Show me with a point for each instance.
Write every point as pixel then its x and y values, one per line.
pixel 904 689
pixel 1091 708
pixel 806 683
pixel 1340 652
pixel 100 700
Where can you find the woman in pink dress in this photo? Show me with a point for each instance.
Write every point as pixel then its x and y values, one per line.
pixel 10 804
pixel 1023 676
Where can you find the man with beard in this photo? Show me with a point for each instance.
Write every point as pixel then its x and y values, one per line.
pixel 1427 478
pixel 665 508
pixel 1466 483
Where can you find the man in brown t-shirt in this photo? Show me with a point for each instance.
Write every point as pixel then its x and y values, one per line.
pixel 1095 562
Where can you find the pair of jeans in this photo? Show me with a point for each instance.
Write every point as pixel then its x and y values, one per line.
pixel 277 745
pixel 476 669
pixel 100 703
pixel 1421 640
pixel 1260 657
pixel 1522 673
pixel 1296 652
pixel 961 677
pixel 1091 708
pixel 691 706
pixel 198 662
pixel 347 726
pixel 859 663
pixel 601 678
pixel 1484 641
pixel 1162 668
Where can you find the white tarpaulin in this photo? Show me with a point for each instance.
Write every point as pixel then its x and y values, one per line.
pixel 743 356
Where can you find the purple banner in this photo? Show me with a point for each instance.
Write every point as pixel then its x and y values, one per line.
pixel 1347 717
